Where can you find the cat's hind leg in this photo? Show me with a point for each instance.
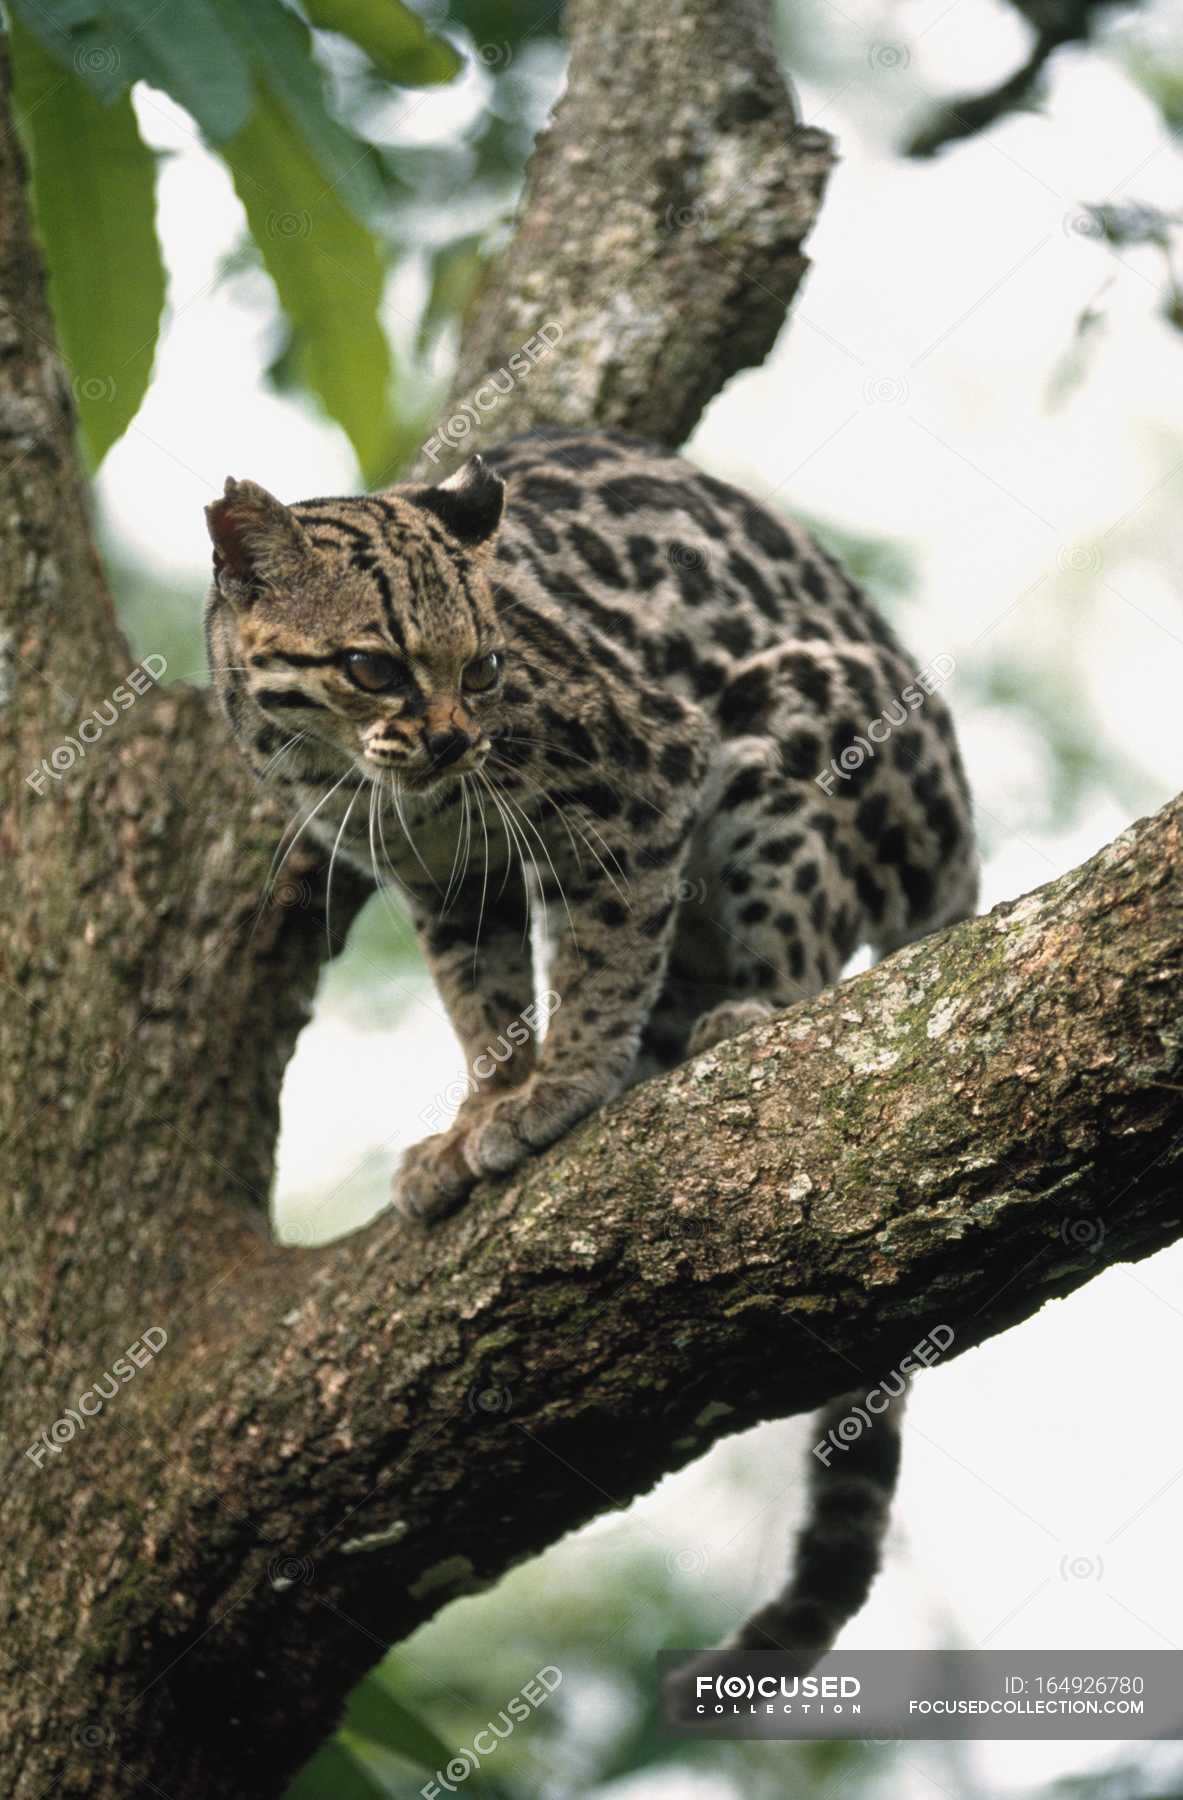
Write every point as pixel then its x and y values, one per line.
pixel 784 913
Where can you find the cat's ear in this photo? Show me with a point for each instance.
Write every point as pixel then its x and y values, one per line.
pixel 258 541
pixel 468 504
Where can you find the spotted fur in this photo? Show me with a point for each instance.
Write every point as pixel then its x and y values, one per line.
pixel 675 667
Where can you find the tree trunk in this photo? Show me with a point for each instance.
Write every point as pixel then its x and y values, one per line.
pixel 308 1452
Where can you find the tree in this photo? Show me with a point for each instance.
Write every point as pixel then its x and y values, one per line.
pixel 299 1455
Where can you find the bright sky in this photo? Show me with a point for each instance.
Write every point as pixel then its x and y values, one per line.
pixel 910 398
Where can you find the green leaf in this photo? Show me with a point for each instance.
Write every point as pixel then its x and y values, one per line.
pixel 456 271
pixel 77 37
pixel 394 38
pixel 334 1774
pixel 375 1712
pixel 73 34
pixel 279 46
pixel 182 47
pixel 66 15
pixel 93 190
pixel 328 273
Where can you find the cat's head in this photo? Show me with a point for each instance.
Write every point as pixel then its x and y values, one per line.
pixel 368 622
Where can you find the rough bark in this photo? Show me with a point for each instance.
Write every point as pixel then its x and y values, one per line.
pixel 661 228
pixel 333 1443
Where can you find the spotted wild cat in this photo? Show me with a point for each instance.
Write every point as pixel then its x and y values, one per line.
pixel 580 675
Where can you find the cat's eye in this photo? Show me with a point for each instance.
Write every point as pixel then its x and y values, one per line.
pixel 483 673
pixel 374 671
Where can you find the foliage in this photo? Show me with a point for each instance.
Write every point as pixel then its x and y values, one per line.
pixel 93 192
pixel 1054 23
pixel 599 1608
pixel 281 105
pixel 333 200
pixel 598 1612
pixel 328 274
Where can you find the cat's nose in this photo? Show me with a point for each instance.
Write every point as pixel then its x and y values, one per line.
pixel 447 746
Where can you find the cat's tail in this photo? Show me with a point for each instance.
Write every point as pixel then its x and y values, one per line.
pixel 854 1466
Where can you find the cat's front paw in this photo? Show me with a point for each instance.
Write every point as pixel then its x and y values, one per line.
pixel 534 1115
pixel 432 1177
pixel 726 1021
pixel 491 1139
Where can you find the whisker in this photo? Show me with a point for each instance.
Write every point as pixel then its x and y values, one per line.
pixel 282 751
pixel 617 786
pixel 386 856
pixel 508 870
pixel 333 859
pixel 514 839
pixel 527 821
pixel 406 830
pixel 455 857
pixel 467 799
pixel 380 882
pixel 480 918
pixel 370 834
pixel 541 794
pixel 283 851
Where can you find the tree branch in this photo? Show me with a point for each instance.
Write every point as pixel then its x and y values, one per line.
pixel 333 1443
pixel 984 1121
pixel 661 228
pixel 152 991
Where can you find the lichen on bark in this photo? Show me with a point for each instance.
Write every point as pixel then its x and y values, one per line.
pixel 720 1246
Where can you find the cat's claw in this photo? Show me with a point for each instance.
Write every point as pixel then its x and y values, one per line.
pixel 432 1178
pixel 726 1021
pixel 496 1147
pixel 534 1115
pixel 489 1139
